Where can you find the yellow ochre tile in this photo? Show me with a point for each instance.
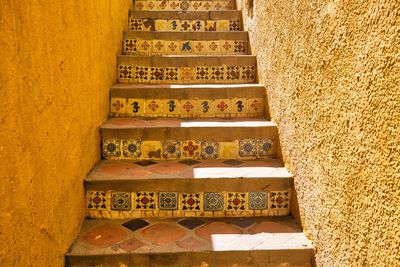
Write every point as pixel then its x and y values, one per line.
pixel 151 149
pixel 206 108
pixel 135 107
pixel 118 105
pixel 229 150
pixel 153 107
pixel 171 107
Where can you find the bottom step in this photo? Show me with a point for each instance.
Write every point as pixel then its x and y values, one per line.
pixel 191 242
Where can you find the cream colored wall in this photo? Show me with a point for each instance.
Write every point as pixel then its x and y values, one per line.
pixel 333 74
pixel 58 59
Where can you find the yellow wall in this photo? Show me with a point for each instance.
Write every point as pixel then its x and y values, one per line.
pixel 57 61
pixel 333 71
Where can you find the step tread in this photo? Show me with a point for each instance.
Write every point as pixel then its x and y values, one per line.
pixel 187 169
pixel 236 35
pixel 135 123
pixel 135 86
pixel 105 237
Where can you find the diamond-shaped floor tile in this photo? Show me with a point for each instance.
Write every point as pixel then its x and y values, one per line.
pixel 190 244
pixel 105 235
pixel 233 162
pixel 163 233
pixel 191 223
pixel 216 228
pixel 242 222
pixel 145 163
pixel 135 224
pixel 131 244
pixel 189 162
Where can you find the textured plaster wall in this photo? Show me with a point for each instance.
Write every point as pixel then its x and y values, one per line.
pixel 333 74
pixel 57 61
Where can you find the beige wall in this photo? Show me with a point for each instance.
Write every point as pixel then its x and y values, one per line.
pixel 333 74
pixel 57 61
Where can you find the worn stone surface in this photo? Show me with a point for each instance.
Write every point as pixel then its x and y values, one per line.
pixel 58 61
pixel 332 71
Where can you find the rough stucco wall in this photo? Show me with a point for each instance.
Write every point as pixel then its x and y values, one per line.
pixel 333 74
pixel 58 59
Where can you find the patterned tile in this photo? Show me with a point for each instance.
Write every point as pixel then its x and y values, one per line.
pixel 206 107
pixel 174 25
pixel 236 201
pixel 191 201
pixel 189 162
pixel 171 149
pixel 223 25
pixel 135 224
pixel 256 105
pixel 222 106
pixel 151 5
pixel 168 200
pixel 218 5
pixel 232 73
pixel 187 74
pixel 125 72
pixel 228 47
pixel 240 106
pixel 161 5
pixel 132 148
pixel 191 149
pixel 121 201
pixel 234 25
pixel 209 150
pixel 136 107
pixel 148 25
pixel 247 147
pixel 191 223
pixel 156 74
pixel 199 47
pixel 243 222
pixel 171 74
pixel 279 199
pixel 207 5
pixel 248 73
pixel 158 47
pixel 211 26
pixel 265 147
pixel 136 24
pixel 184 5
pixel 213 47
pixel 186 47
pixel 145 47
pixel 197 5
pixel 197 25
pixel 140 5
pixel 258 200
pixel 96 200
pixel 154 107
pixel 213 201
pixel 118 105
pixel 240 47
pixel 141 74
pixel 217 73
pixel 188 106
pixel 185 26
pixel 173 5
pixel 111 148
pixel 130 47
pixel 145 163
pixel 145 201
pixel 172 107
pixel 202 73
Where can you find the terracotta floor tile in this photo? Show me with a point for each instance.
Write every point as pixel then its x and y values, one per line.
pixel 168 168
pixel 163 233
pixel 190 244
pixel 218 228
pixel 105 235
pixel 270 227
pixel 131 244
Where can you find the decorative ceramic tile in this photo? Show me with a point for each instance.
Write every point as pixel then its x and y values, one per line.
pixel 144 47
pixel 187 74
pixel 256 105
pixel 151 5
pixel 158 47
pixel 125 72
pixel 174 25
pixel 172 47
pixel 132 148
pixel 240 47
pixel 184 5
pixel 279 199
pixel 148 25
pixel 234 25
pixel 265 147
pixel 172 107
pixel 247 147
pixel 118 105
pixel 136 24
pixel 141 74
pixel 229 5
pixel 233 162
pixel 162 25
pixel 191 223
pixel 209 150
pixel 258 200
pixel 140 5
pixel 188 107
pixel 248 73
pixel 207 5
pixel 197 25
pixel 211 26
pixel 135 224
pixel 191 149
pixel 199 47
pixel 186 47
pixel 161 5
pixel 111 148
pixel 171 149
pixel 185 26
pixel 218 5
pixel 168 200
pixel 228 47
pixel 232 73
pixel 171 74
pixel 154 107
pixel 130 47
pixel 191 201
pixel 136 107
pixel 156 74
pixel 202 73
pixel 121 201
pixel 223 25
pixel 240 106
pixel 151 149
pixel 222 106
pixel 213 47
pixel 236 201
pixel 213 201
pixel 206 107
pixel 174 5
pixel 145 201
pixel 96 200
pixel 189 162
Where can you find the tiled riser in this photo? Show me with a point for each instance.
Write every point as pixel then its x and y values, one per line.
pixel 178 25
pixel 234 107
pixel 199 74
pixel 184 5
pixel 132 149
pixel 120 205
pixel 185 47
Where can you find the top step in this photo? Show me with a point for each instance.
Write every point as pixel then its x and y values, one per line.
pixel 184 5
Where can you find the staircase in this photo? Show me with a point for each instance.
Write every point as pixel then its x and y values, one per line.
pixel 191 171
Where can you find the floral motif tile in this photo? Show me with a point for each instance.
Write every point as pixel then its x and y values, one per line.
pixel 130 47
pixel 187 74
pixel 265 148
pixel 197 5
pixel 234 25
pixel 202 73
pixel 171 74
pixel 136 107
pixel 240 47
pixel 188 107
pixel 154 107
pixel 218 5
pixel 156 74
pixel 168 200
pixel 258 200
pixel 236 201
pixel 121 201
pixel 144 47
pixel 248 147
pixel 209 150
pixel 145 200
pixel 186 47
pixel 96 200
pixel 210 26
pixel 191 201
pixel 217 73
pixel 141 74
pixel 173 5
pixel 125 72
pixel 222 106
pixel 206 107
pixel 207 5
pixel 191 149
pixel 256 105
pixel 171 149
pixel 172 107
pixel 151 5
pixel 132 148
pixel 199 47
pixel 136 24
pixel 158 47
pixel 184 5
pixel 161 5
pixel 279 199
pixel 232 73
pixel 213 47
pixel 223 25
pixel 213 201
pixel 248 73
pixel 229 5
pixel 118 105
pixel 140 5
pixel 185 26
pixel 228 47
pixel 111 148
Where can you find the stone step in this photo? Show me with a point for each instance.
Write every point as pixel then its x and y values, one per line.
pixel 187 69
pixel 162 100
pixel 182 5
pixel 176 242
pixel 185 43
pixel 196 21
pixel 186 188
pixel 171 139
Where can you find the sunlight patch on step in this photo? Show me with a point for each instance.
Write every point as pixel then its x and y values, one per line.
pixel 246 172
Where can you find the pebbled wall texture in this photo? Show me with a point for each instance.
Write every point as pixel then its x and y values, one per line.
pixel 332 71
pixel 58 60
